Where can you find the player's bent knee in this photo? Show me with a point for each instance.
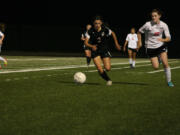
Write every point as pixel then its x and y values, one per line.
pixel 108 69
pixel 156 67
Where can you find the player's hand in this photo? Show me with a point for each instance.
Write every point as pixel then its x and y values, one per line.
pixel 137 49
pixel 83 39
pixel 94 47
pixel 124 49
pixel 139 43
pixel 118 47
pixel 161 39
pixel 1 42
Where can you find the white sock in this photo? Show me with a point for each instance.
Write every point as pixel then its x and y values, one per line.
pixel 1 58
pixel 133 63
pixel 168 74
pixel 130 60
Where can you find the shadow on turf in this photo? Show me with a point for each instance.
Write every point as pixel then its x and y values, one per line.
pixel 66 82
pixel 129 83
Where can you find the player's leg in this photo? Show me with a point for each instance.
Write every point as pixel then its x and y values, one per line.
pixel 167 68
pixel 3 59
pixel 155 63
pixel 97 61
pixel 107 66
pixel 134 59
pixel 130 57
pixel 159 59
pixel 107 63
pixel 88 56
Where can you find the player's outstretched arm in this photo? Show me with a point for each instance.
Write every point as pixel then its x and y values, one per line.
pixel 118 47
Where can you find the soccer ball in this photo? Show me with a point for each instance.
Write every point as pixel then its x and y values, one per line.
pixel 79 77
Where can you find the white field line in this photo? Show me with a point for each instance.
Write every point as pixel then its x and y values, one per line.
pixel 71 67
pixel 59 68
pixel 120 68
pixel 40 59
pixel 129 67
pixel 152 72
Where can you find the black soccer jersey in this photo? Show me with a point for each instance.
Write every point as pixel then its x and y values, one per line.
pixel 99 38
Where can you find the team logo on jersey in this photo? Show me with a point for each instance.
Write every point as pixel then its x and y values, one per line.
pixel 156 33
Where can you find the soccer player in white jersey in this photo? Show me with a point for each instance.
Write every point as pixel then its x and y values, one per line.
pixel 155 43
pixel 131 40
pixel 2 27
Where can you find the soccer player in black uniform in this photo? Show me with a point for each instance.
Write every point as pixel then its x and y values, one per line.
pixel 87 50
pixel 97 39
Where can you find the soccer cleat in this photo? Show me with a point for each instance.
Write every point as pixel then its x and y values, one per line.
pixel 170 84
pixel 5 62
pixel 109 83
pixel 131 66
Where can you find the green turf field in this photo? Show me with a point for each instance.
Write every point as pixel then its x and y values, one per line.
pixel 38 97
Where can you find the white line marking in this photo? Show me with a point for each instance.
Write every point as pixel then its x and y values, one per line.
pixel 68 67
pixel 120 68
pixel 20 59
pixel 129 67
pixel 152 72
pixel 59 68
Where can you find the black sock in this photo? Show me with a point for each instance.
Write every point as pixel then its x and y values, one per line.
pixel 105 76
pixel 88 59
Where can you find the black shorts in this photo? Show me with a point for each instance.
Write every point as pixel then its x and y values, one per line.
pixel 102 54
pixel 156 52
pixel 133 50
pixel 86 48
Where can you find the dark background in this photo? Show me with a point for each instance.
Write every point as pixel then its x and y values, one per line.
pixel 56 27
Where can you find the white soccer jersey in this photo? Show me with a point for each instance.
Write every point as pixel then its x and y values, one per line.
pixel 132 40
pixel 1 34
pixel 153 32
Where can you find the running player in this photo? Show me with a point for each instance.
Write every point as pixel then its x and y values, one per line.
pixel 87 50
pixel 98 37
pixel 155 44
pixel 131 40
pixel 2 29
